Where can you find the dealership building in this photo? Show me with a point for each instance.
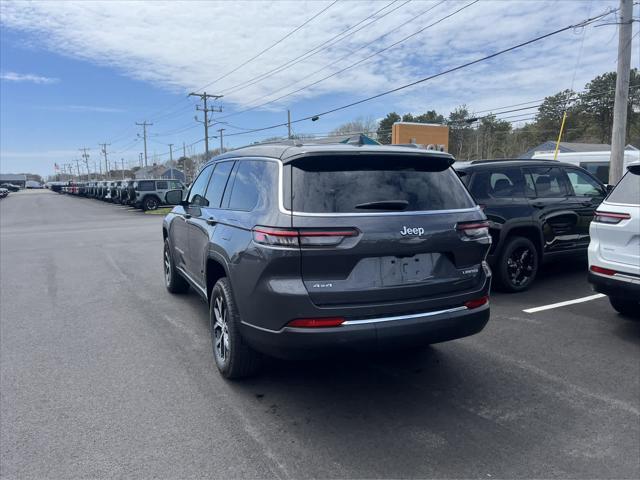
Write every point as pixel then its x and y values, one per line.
pixel 16 179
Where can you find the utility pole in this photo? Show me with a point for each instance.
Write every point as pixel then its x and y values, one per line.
pixel 619 130
pixel 144 125
pixel 289 124
pixel 140 158
pixel 122 159
pixel 221 144
pixel 106 162
pixel 204 96
pixel 85 157
pixel 78 168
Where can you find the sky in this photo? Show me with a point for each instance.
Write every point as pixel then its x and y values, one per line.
pixel 77 74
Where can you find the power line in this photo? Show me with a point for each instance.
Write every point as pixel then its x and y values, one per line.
pixel 271 46
pixel 436 75
pixel 317 49
pixel 349 55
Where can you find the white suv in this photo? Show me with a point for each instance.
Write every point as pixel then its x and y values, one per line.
pixel 614 251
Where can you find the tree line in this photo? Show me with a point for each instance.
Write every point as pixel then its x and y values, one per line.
pixel 589 120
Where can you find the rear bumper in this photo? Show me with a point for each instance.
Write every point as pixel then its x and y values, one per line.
pixel 369 334
pixel 614 287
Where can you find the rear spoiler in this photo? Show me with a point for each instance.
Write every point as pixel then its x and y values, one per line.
pixel 436 163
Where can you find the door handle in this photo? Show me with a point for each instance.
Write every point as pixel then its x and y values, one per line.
pixel 211 221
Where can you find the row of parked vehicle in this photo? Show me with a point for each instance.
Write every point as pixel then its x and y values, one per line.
pixel 4 192
pixel 145 194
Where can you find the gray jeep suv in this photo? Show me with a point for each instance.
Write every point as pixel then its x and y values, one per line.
pixel 311 249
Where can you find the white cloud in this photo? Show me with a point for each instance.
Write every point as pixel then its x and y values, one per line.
pixel 27 77
pixel 183 46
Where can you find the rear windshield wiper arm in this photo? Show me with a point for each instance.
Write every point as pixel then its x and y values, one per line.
pixel 384 205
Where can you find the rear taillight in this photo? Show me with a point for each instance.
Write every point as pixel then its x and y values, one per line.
pixel 610 217
pixel 473 230
pixel 477 302
pixel 602 271
pixel 323 322
pixel 304 237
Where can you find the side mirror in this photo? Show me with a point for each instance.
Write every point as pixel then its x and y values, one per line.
pixel 174 197
pixel 608 187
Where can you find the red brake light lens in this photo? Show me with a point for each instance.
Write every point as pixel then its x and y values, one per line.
pixel 316 322
pixel 477 302
pixel 473 230
pixel 611 218
pixel 292 237
pixel 602 271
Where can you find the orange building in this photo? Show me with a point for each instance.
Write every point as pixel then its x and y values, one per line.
pixel 431 135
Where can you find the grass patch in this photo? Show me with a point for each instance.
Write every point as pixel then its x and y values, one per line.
pixel 159 211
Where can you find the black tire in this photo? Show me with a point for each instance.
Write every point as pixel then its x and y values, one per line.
pixel 233 357
pixel 150 203
pixel 625 307
pixel 517 265
pixel 174 282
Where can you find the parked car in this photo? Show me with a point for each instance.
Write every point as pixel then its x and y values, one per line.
pixel 108 191
pixel 91 189
pixel 103 191
pixel 4 192
pixel 295 261
pixel 614 251
pixel 538 210
pixel 150 194
pixel 116 194
pixel 596 163
pixel 10 186
pixel 124 191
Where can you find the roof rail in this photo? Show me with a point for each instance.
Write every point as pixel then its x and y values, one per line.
pixel 513 160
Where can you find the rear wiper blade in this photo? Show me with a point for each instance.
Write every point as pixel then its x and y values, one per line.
pixel 384 205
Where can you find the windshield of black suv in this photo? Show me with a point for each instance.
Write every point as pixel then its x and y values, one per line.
pixel 339 184
pixel 627 190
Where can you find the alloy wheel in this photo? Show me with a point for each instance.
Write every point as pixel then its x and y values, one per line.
pixel 167 267
pixel 520 266
pixel 221 330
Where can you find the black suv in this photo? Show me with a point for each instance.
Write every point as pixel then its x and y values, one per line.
pixel 309 249
pixel 537 210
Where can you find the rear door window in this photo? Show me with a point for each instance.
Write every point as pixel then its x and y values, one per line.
pixel 627 191
pixel 366 183
pixel 252 183
pixel 162 185
pixel 548 182
pixel 502 183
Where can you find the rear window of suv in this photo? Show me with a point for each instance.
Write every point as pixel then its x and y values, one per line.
pixel 627 190
pixel 370 183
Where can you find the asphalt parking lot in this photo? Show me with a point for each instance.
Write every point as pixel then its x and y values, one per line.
pixel 103 374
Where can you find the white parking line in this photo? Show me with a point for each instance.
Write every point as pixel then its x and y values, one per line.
pixel 562 304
